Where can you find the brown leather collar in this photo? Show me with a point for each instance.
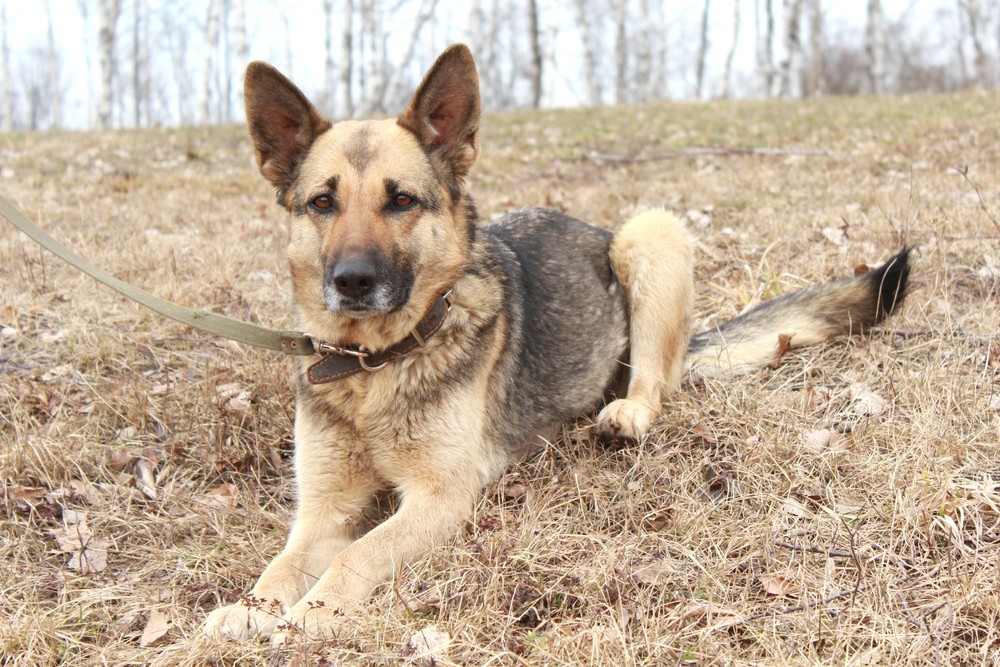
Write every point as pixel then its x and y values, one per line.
pixel 342 362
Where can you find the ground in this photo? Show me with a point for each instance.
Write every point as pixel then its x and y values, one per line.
pixel 842 508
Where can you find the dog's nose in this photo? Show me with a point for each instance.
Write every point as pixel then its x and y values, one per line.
pixel 354 277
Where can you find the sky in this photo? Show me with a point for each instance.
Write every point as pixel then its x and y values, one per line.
pixel 75 35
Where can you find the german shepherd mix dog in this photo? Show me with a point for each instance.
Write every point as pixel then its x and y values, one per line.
pixel 450 347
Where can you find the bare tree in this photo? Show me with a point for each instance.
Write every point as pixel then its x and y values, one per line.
pixel 375 62
pixel 791 64
pixel 536 54
pixel 53 79
pixel 392 89
pixel 621 50
pixel 765 47
pixel 7 89
pixel 815 85
pixel 590 48
pixel 242 44
pixel 702 51
pixel 106 34
pixel 347 59
pixel 329 69
pixel 972 23
pixel 644 63
pixel 211 49
pixel 875 47
pixel 727 75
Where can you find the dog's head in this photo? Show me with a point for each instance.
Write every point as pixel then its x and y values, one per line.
pixel 380 225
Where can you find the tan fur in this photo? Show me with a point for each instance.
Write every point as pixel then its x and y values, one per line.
pixel 652 256
pixel 437 425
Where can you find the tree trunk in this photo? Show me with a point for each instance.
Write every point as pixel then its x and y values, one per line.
pixel 211 46
pixel 875 47
pixel 765 48
pixel 329 69
pixel 536 54
pixel 815 48
pixel 54 92
pixel 107 31
pixel 702 52
pixel 590 48
pixel 973 17
pixel 791 66
pixel 621 51
pixel 7 90
pixel 391 89
pixel 347 60
pixel 727 75
pixel 644 54
pixel 137 16
pixel 242 46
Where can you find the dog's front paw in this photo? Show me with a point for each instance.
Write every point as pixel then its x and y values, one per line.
pixel 624 420
pixel 309 621
pixel 248 618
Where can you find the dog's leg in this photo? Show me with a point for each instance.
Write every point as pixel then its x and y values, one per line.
pixel 439 483
pixel 652 257
pixel 334 487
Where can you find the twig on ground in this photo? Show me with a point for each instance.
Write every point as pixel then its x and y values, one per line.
pixel 698 152
pixel 964 172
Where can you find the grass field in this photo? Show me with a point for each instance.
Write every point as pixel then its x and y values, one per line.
pixel 842 509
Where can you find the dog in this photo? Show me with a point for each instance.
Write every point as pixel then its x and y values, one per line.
pixel 447 348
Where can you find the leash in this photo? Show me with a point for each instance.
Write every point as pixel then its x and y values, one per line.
pixel 288 342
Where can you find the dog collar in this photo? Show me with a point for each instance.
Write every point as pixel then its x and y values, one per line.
pixel 340 362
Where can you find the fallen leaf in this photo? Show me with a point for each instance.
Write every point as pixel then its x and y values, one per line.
pixel 428 646
pixel 157 627
pixel 825 440
pixel 25 497
pixel 866 402
pixel 516 491
pixel 89 553
pixel 795 508
pixel 657 572
pixel 657 520
pixel 222 497
pixel 779 585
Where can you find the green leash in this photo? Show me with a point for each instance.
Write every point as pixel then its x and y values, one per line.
pixel 289 342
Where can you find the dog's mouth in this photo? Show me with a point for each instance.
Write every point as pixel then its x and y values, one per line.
pixel 384 299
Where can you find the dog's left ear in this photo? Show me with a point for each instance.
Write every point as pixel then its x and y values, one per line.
pixel 283 124
pixel 444 112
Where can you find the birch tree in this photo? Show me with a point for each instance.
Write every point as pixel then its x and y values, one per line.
pixel 592 78
pixel 347 59
pixel 727 75
pixel 875 47
pixel 211 48
pixel 765 46
pixel 791 64
pixel 242 44
pixel 973 20
pixel 7 87
pixel 702 51
pixel 107 32
pixel 815 86
pixel 621 51
pixel 535 67
pixel 52 72
pixel 393 88
pixel 329 69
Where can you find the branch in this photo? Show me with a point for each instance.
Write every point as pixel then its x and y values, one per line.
pixel 699 151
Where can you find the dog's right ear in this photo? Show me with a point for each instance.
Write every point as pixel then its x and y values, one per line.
pixel 283 124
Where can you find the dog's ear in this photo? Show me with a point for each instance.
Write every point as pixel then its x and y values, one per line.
pixel 283 123
pixel 444 112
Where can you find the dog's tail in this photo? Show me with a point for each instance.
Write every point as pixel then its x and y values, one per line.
pixel 762 335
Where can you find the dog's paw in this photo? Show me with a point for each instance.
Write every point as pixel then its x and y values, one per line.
pixel 624 420
pixel 244 620
pixel 309 622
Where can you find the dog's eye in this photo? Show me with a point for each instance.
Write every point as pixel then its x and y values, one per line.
pixel 323 202
pixel 402 202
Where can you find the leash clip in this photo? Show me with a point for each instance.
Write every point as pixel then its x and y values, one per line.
pixel 361 354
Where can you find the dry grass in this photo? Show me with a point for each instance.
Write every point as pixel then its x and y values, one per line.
pixel 732 535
